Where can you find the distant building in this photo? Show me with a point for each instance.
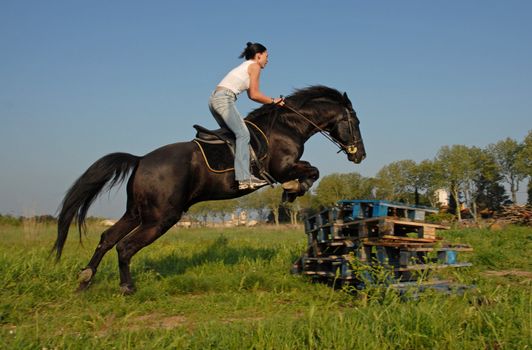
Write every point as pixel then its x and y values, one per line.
pixel 239 219
pixel 442 196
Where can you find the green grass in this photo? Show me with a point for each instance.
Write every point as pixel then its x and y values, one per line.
pixel 231 289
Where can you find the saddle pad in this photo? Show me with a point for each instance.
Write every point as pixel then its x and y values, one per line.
pixel 219 157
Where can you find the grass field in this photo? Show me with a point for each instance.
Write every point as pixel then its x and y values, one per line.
pixel 231 289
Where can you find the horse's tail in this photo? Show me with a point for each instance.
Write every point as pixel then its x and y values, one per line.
pixel 106 172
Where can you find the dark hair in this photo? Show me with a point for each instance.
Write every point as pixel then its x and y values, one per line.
pixel 251 50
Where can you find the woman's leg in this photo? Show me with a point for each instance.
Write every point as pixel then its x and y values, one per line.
pixel 238 127
pixel 223 107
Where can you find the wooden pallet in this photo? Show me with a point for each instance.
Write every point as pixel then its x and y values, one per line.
pixel 364 209
pixel 374 227
pixel 383 234
pixel 388 226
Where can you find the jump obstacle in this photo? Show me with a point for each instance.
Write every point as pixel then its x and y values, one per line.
pixel 370 234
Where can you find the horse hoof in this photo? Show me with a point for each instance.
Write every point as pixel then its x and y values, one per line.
pixel 84 279
pixel 291 186
pixel 85 276
pixel 127 289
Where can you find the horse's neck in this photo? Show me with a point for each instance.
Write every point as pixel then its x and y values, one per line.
pixel 294 127
pixel 297 127
pixel 308 124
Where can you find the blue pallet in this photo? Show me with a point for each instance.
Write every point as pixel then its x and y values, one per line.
pixel 365 209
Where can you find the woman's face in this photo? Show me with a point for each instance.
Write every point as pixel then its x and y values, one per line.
pixel 262 59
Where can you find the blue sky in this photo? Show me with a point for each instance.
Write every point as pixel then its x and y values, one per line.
pixel 80 79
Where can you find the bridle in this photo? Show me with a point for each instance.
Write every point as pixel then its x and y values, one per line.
pixel 348 149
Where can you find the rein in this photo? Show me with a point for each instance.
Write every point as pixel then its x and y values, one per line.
pixel 349 149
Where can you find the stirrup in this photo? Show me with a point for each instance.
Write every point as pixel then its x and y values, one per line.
pixel 251 183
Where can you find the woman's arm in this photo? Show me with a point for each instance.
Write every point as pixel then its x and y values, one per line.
pixel 254 90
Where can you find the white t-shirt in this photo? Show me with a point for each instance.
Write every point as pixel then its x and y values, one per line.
pixel 237 80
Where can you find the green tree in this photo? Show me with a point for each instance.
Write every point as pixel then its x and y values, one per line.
pixel 524 163
pixel 271 199
pixel 482 186
pixel 426 183
pixel 409 182
pixel 506 153
pixel 490 194
pixel 335 187
pixel 524 158
pixel 298 207
pixel 455 169
pixel 395 181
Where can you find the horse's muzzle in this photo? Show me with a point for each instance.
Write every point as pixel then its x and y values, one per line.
pixel 356 157
pixel 355 152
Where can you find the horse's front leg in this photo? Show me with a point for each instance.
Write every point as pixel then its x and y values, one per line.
pixel 302 175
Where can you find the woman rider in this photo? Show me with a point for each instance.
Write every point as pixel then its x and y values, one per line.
pixel 246 77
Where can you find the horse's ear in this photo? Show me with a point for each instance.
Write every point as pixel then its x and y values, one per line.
pixel 347 101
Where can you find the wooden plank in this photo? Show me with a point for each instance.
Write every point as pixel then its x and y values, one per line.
pixel 343 257
pixel 389 219
pixel 429 232
pixel 363 221
pixel 409 239
pixel 415 223
pixel 319 273
pixel 430 267
pixel 333 228
pixel 393 220
pixel 349 243
pixel 456 246
pixel 395 244
pixel 429 249
pixel 324 259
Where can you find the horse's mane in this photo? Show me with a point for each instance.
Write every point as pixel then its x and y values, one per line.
pixel 298 100
pixel 301 97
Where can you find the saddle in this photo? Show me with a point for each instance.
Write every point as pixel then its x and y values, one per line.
pixel 218 136
pixel 218 149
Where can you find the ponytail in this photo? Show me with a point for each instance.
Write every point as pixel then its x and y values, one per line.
pixel 251 50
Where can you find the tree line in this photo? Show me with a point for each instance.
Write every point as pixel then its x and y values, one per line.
pixel 481 179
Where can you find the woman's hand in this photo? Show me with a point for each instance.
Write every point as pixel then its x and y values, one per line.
pixel 278 101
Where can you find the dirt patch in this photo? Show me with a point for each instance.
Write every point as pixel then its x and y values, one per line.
pixel 503 273
pixel 143 322
pixel 156 321
pixel 520 273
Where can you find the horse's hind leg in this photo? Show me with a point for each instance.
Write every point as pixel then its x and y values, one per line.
pixel 146 234
pixel 109 238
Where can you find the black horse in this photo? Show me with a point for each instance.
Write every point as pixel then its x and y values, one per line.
pixel 166 182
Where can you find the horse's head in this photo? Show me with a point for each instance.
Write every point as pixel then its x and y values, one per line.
pixel 344 128
pixel 317 109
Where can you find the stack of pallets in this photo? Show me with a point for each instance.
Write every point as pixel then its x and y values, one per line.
pixel 374 233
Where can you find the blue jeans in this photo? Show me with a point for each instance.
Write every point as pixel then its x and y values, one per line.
pixel 223 108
